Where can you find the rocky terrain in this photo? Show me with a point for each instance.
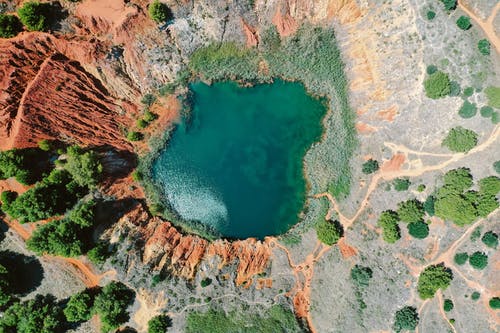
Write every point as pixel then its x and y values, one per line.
pixel 83 82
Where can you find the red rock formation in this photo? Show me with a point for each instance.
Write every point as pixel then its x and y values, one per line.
pixel 166 247
pixel 47 95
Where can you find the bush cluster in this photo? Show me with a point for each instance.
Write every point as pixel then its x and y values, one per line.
pixel 448 305
pixel 419 230
pixel 449 4
pixel 461 258
pixel 460 140
pixel 463 22
pixel 401 184
pixel 159 12
pixel 478 260
pixel 329 232
pixel 388 221
pixel 437 85
pixel 411 211
pixel 467 110
pixel 35 15
pixel 457 203
pixel 490 239
pixel 405 319
pixel 370 166
pixel 432 278
pixel 159 324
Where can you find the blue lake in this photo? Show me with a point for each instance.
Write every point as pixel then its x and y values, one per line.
pixel 235 161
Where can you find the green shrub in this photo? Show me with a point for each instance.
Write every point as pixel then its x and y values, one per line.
pixel 454 89
pixel 421 188
pixel 5 287
pixel 460 140
pixel 486 111
pixel 159 12
pixel 401 184
pixel 329 232
pixel 148 99
pixel 486 204
pixel 449 4
pixel 10 26
pixel 484 47
pixel 41 314
pixel 406 319
pixel 141 123
pixel 431 69
pixel 463 22
pixel 493 95
pixel 495 118
pixel 478 260
pixel 468 110
pixel 496 166
pixel 388 221
pixel 410 211
pixel 429 205
pixel 34 15
pixel 489 185
pixel 111 305
pixel 137 176
pixel 370 166
pixel 45 145
pixel 134 136
pixel 205 282
pixel 437 85
pixel 475 296
pixel 84 166
pixel 431 279
pixel 457 180
pixel 159 324
pixel 495 303
pixel 448 305
pixel 60 237
pixel 469 91
pixel 456 208
pixel 431 15
pixel 461 258
pixel 419 230
pixel 99 253
pixel 79 307
pixel 490 239
pixel 150 116
pixel 361 275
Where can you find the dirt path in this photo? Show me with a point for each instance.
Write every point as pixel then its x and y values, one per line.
pixel 486 26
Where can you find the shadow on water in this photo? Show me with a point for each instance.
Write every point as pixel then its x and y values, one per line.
pixel 26 272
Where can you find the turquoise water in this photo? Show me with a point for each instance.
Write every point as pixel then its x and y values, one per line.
pixel 235 162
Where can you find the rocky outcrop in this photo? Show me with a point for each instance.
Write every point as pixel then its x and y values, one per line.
pixel 166 248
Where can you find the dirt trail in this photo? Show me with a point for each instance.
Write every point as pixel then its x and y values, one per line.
pixel 486 26
pixel 439 295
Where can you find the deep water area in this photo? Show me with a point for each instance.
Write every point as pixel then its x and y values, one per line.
pixel 235 161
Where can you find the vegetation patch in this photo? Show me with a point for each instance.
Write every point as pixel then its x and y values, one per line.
pixel 463 22
pixel 461 258
pixel 10 26
pixel 402 184
pixel 370 166
pixel 432 278
pixel 329 232
pixel 159 324
pixel 35 15
pixel 159 12
pixel 478 260
pixel 275 319
pixel 495 303
pixel 468 110
pixel 460 140
pixel 388 221
pixel 484 47
pixel 405 319
pixel 490 239
pixel 437 85
pixel 448 305
pixel 411 211
pixel 419 230
pixel 493 95
pixel 486 111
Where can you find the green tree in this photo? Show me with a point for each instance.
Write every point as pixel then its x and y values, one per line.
pixel 449 4
pixel 458 180
pixel 45 145
pixel 84 166
pixel 361 275
pixel 159 12
pixel 134 136
pixel 10 26
pixel 461 258
pixel 99 253
pixel 410 211
pixel 484 47
pixel 83 213
pixel 448 305
pixel 34 15
pixel 80 306
pixel 495 303
pixel 493 95
pixel 61 237
pixel 401 184
pixel 478 260
pixel 475 296
pixel 419 230
pixel 490 239
pixel 460 140
pixel 463 22
pixel 437 85
pixel 112 303
pixel 486 111
pixel 431 279
pixel 41 314
pixel 370 166
pixel 205 282
pixel 467 110
pixel 159 324
pixel 490 185
pixel 431 15
pixel 388 221
pixel 141 123
pixel 456 208
pixel 496 166
pixel 150 116
pixel 405 319
pixel 429 205
pixel 329 232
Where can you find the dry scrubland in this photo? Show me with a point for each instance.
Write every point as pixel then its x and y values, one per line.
pixel 373 71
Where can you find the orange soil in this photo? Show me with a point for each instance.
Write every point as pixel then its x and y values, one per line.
pixel 284 22
pixel 346 250
pixel 388 114
pixel 250 33
pixel 394 164
pixel 363 128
